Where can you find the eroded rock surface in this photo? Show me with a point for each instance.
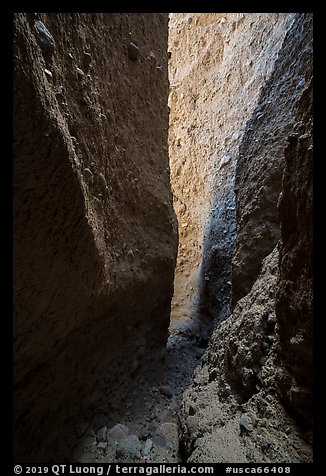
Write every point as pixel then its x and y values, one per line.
pixel 95 234
pixel 232 412
pixel 217 69
pixel 261 160
pixel 294 302
pixel 252 399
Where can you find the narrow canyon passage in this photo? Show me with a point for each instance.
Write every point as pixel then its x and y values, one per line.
pixel 162 237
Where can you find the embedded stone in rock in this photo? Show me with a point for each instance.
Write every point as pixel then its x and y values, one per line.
pixel 44 36
pixel 192 409
pixel 133 51
pixel 48 73
pixel 88 303
pixel 117 433
pixel 166 390
pixel 87 60
pixel 271 319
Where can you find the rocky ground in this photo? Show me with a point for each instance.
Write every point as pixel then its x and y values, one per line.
pixel 144 424
pixel 232 411
pixel 188 408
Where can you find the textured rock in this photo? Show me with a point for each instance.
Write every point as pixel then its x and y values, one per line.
pixel 166 390
pixel 216 72
pixel 94 230
pixel 169 431
pixel 148 447
pixel 262 354
pixel 248 424
pixel 118 432
pixel 129 448
pixel 101 434
pixel 294 308
pixel 261 158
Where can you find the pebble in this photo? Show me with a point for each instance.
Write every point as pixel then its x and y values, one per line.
pixel 117 433
pixel 148 447
pixel 88 173
pixel 212 375
pixel 271 319
pixel 261 400
pixel 166 390
pixel 101 434
pixel 48 73
pixel 102 444
pixel 102 181
pixel 245 422
pixel 87 60
pixel 44 35
pixel 130 446
pixel 133 51
pixel 264 442
pixel 80 72
pixel 192 424
pixel 159 440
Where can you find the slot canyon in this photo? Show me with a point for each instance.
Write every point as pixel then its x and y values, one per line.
pixel 162 237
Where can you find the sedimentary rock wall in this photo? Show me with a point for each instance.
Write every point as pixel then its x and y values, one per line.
pixel 294 299
pixel 95 234
pixel 251 399
pixel 216 72
pixel 261 160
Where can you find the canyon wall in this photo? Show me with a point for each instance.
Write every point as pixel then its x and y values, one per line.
pixel 260 164
pixel 219 63
pixel 251 398
pixel 95 234
pixel 294 298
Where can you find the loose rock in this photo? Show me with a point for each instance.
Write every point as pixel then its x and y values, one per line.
pixel 117 433
pixel 245 422
pixel 133 51
pixel 129 447
pixel 148 447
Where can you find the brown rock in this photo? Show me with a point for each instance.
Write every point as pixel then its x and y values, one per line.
pixel 75 292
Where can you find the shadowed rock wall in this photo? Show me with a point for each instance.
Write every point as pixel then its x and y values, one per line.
pixel 95 234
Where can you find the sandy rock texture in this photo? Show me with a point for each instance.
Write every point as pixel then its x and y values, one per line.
pixel 261 160
pixel 217 70
pixel 252 399
pixel 232 412
pixel 95 235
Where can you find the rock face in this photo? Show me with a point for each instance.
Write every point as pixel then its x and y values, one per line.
pixel 251 399
pixel 294 292
pixel 95 235
pixel 261 159
pixel 232 413
pixel 216 71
